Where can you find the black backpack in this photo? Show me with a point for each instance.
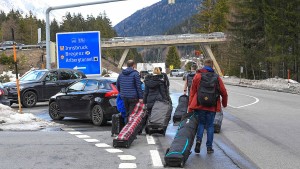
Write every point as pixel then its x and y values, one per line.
pixel 208 91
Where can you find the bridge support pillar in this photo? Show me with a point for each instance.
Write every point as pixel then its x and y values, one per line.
pixel 208 51
pixel 123 58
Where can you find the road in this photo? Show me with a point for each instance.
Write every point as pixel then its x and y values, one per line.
pixel 259 131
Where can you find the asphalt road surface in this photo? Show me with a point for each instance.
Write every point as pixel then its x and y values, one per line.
pixel 259 131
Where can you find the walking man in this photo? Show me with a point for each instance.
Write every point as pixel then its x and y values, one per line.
pixel 189 79
pixel 207 87
pixel 129 87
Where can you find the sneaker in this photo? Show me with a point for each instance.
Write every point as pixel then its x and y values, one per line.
pixel 210 150
pixel 197 147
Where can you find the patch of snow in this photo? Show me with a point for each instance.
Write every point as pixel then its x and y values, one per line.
pixel 12 76
pixel 277 84
pixel 12 120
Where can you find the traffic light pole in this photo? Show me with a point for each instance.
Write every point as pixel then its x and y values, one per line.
pixel 48 59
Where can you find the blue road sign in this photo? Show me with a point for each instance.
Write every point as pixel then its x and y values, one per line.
pixel 79 50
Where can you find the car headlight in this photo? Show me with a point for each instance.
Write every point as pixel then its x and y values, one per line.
pixel 15 88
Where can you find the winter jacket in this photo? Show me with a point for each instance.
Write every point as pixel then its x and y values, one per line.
pixel 129 84
pixel 193 103
pixel 120 106
pixel 155 89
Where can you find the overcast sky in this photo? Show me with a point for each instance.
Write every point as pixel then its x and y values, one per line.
pixel 116 11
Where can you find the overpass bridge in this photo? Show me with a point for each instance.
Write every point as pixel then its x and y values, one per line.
pixel 204 40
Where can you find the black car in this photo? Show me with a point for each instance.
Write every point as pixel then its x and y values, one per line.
pixel 40 85
pixel 3 96
pixel 87 99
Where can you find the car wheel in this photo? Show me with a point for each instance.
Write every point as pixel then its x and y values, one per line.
pixel 29 99
pixel 171 75
pixel 54 111
pixel 97 116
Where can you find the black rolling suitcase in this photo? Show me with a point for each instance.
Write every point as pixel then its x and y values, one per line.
pixel 117 123
pixel 131 129
pixel 159 118
pixel 218 122
pixel 180 148
pixel 181 109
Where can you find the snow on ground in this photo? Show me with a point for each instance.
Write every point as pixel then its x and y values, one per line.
pixel 12 120
pixel 277 84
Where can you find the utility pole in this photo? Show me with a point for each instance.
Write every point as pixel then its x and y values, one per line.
pixel 16 69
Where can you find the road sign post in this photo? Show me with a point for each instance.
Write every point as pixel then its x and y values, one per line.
pixel 79 50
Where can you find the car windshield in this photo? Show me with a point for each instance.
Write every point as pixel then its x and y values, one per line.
pixel 33 76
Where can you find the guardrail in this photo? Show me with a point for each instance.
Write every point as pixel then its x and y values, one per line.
pixel 22 47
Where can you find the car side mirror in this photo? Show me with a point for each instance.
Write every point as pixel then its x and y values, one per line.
pixel 47 78
pixel 63 90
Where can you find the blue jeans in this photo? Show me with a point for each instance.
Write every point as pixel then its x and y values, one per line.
pixel 206 119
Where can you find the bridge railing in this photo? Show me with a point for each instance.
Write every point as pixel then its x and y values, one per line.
pixel 116 40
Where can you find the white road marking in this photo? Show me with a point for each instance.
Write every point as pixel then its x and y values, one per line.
pixel 127 165
pixel 91 140
pixel 75 132
pixel 126 157
pixel 68 129
pixel 256 101
pixel 156 160
pixel 113 150
pixel 102 145
pixel 150 139
pixel 82 136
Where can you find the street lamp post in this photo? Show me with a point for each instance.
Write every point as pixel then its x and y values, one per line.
pixel 48 59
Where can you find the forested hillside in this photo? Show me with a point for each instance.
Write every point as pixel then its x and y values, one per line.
pixel 263 37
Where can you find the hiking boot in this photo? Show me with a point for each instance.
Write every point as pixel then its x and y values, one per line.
pixel 197 147
pixel 210 150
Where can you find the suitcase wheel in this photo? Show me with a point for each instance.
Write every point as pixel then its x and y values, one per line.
pixel 182 164
pixel 217 129
pixel 147 130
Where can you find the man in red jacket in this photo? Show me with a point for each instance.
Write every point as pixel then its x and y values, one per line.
pixel 206 114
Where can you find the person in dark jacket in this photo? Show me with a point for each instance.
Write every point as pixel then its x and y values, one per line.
pixel 155 89
pixel 166 77
pixel 129 87
pixel 167 83
pixel 189 79
pixel 206 114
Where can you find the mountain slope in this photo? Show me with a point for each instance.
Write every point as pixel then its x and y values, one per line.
pixel 37 7
pixel 158 18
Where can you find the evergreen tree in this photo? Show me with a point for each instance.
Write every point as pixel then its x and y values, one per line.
pixel 173 58
pixel 247 28
pixel 54 28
